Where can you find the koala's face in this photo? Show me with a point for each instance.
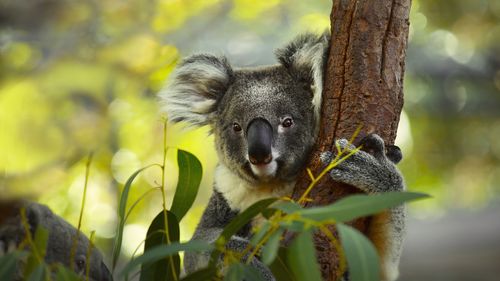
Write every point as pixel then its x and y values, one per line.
pixel 264 124
pixel 264 119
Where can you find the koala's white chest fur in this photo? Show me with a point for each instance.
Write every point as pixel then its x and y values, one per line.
pixel 240 194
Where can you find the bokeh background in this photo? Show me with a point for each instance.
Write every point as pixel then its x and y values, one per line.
pixel 82 76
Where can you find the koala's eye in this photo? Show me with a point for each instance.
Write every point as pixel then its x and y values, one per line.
pixel 287 122
pixel 236 127
pixel 80 262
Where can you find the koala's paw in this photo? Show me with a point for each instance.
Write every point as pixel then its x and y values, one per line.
pixel 368 169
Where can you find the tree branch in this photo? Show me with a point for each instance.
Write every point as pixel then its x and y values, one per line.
pixel 363 87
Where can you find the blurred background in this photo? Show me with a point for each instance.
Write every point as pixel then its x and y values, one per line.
pixel 82 76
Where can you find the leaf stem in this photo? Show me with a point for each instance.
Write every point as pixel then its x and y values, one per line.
pixel 89 251
pixel 26 227
pixel 80 217
pixel 163 196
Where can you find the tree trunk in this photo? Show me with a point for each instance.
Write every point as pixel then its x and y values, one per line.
pixel 363 87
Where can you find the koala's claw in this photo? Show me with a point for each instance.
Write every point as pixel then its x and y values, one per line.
pixel 394 154
pixel 373 144
pixel 326 157
pixel 344 145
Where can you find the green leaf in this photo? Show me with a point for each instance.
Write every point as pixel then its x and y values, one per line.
pixel 268 213
pixel 41 239
pixel 207 274
pixel 238 222
pixel 245 217
pixel 270 250
pixel 295 226
pixel 234 272
pixel 251 273
pixel 256 237
pixel 239 271
pixel 169 267
pixel 190 173
pixel 122 208
pixel 356 206
pixel 8 264
pixel 362 258
pixel 162 251
pixel 40 242
pixel 38 273
pixel 280 268
pixel 302 258
pixel 65 274
pixel 288 207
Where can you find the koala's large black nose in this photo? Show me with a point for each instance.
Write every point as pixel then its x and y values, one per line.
pixel 259 139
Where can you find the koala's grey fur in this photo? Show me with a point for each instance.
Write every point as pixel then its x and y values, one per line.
pixel 214 219
pixel 60 240
pixel 206 90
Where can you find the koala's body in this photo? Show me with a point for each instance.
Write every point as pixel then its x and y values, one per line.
pixel 60 239
pixel 265 122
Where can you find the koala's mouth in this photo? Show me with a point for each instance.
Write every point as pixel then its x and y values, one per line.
pixel 264 171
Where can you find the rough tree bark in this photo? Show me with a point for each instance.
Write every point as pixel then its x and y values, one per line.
pixel 363 86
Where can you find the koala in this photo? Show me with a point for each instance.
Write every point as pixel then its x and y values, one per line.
pixel 60 240
pixel 265 122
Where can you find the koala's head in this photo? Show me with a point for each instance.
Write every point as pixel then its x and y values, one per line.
pixel 60 239
pixel 60 243
pixel 264 119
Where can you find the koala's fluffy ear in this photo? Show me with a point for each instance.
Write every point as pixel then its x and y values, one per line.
pixel 194 88
pixel 305 57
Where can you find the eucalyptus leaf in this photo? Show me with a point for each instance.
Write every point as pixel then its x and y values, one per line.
pixel 288 207
pixel 159 252
pixel 251 273
pixel 35 259
pixel 66 274
pixel 356 206
pixel 256 237
pixel 41 240
pixel 240 271
pixel 302 258
pixel 208 273
pixel 238 222
pixel 295 226
pixel 190 173
pixel 245 217
pixel 362 258
pixel 38 273
pixel 234 272
pixel 279 267
pixel 122 207
pixel 270 250
pixel 167 268
pixel 8 264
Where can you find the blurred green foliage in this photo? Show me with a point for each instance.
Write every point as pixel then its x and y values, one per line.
pixel 82 76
